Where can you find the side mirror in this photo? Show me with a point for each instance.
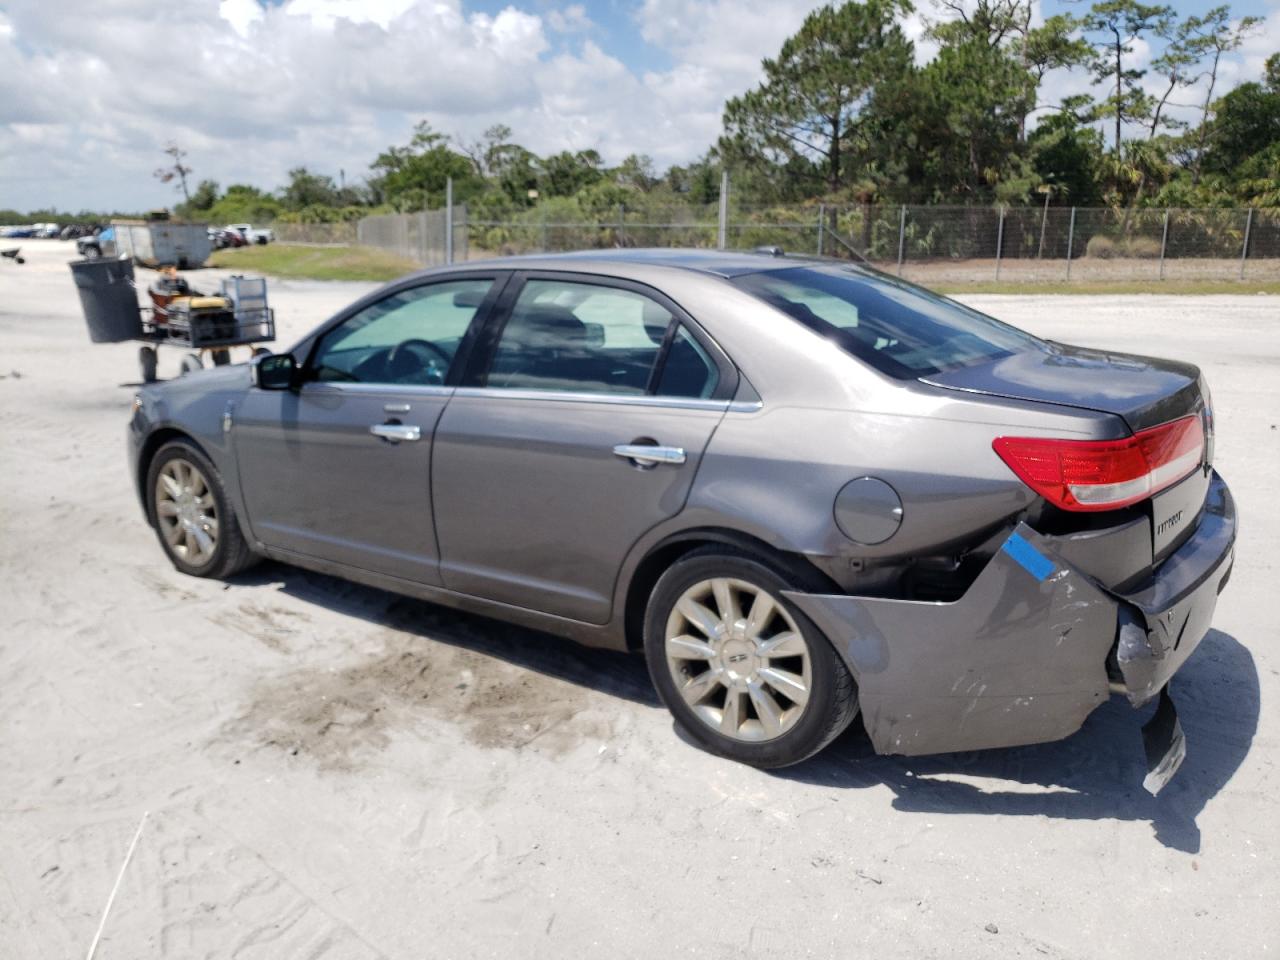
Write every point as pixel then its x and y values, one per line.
pixel 274 371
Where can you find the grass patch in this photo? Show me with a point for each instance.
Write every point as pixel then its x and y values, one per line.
pixel 370 263
pixel 315 263
pixel 1168 287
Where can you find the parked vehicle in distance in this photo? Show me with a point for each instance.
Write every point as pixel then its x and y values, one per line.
pixel 253 234
pixel 804 489
pixel 225 238
pixel 18 233
pixel 102 244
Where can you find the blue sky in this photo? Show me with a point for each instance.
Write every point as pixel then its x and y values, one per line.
pixel 328 84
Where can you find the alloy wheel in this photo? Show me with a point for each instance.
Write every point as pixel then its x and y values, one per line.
pixel 738 659
pixel 186 512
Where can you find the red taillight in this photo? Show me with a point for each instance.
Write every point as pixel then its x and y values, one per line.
pixel 1105 474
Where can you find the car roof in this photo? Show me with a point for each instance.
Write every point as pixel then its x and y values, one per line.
pixel 720 263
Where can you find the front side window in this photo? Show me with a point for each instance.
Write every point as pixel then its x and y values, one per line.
pixel 584 337
pixel 898 328
pixel 409 338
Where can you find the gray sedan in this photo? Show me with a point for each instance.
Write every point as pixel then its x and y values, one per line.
pixel 804 489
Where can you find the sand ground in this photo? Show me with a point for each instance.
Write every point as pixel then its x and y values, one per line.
pixel 333 772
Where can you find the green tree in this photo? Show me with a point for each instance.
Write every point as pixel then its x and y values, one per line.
pixel 205 196
pixel 1213 35
pixel 1245 125
pixel 1051 46
pixel 1007 24
pixel 1066 154
pixel 245 204
pixel 306 189
pixel 1120 24
pixel 1176 66
pixel 414 177
pixel 636 172
pixel 808 114
pixel 563 174
pixel 972 97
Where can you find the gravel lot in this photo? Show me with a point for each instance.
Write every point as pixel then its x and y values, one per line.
pixel 334 772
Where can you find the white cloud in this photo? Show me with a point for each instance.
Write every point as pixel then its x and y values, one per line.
pixel 241 14
pixel 94 89
pixel 572 19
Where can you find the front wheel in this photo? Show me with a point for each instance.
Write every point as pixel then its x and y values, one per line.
pixel 192 515
pixel 745 675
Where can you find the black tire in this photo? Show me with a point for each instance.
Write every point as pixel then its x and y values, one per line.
pixel 231 553
pixel 147 361
pixel 221 357
pixel 191 362
pixel 832 697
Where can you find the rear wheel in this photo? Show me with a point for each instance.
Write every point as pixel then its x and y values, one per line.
pixel 147 361
pixel 191 362
pixel 745 674
pixel 192 516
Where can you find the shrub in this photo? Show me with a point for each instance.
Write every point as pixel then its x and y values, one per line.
pixel 1144 248
pixel 1100 248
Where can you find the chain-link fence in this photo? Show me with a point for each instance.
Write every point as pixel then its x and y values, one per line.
pixel 424 237
pixel 931 244
pixel 341 234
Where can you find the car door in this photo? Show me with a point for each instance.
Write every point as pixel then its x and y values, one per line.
pixel 340 468
pixel 580 426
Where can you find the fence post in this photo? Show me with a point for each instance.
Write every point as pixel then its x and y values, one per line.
pixel 902 235
pixel 1044 219
pixel 448 221
pixel 822 218
pixel 999 241
pixel 1164 242
pixel 621 239
pixel 1071 236
pixel 722 238
pixel 542 243
pixel 1244 249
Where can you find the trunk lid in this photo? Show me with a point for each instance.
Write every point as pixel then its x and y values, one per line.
pixel 1143 391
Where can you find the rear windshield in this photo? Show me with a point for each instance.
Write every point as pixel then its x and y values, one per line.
pixel 898 328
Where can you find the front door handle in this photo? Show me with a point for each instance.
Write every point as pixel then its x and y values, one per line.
pixel 396 432
pixel 645 453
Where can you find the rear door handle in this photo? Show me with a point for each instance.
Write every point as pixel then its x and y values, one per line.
pixel 644 453
pixel 396 431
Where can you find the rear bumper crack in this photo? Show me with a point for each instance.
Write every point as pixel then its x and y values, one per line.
pixel 1022 656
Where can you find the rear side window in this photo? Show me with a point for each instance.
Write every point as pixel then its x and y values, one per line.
pixel 590 338
pixel 900 329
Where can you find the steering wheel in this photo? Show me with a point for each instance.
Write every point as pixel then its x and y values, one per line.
pixel 410 358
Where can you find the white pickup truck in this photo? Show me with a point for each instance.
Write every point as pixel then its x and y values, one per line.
pixel 252 234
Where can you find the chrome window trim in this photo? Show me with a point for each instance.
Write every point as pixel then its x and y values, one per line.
pixel 338 386
pixel 625 399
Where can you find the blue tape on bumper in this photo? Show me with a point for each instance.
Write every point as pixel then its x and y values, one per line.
pixel 1028 557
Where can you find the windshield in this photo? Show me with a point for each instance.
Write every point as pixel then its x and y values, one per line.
pixel 898 328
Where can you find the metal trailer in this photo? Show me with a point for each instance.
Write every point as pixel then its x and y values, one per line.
pixel 157 243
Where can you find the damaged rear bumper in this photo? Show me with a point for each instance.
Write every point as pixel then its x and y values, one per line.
pixel 1023 656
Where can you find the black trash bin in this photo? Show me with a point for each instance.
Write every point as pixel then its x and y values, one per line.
pixel 108 298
